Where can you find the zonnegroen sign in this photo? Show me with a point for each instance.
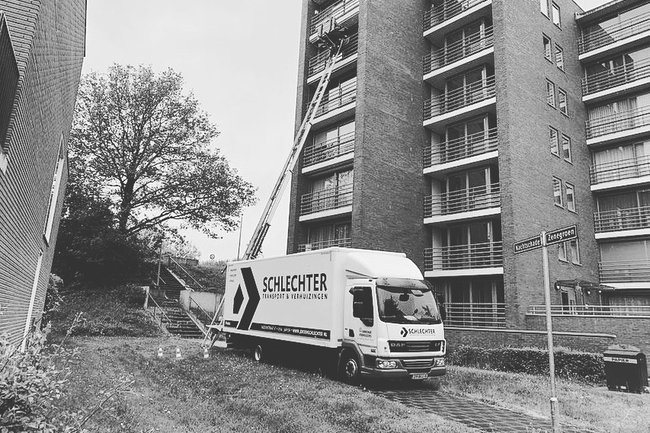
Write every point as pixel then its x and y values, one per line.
pixel 561 235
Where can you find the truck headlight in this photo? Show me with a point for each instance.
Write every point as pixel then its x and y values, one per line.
pixel 386 364
pixel 439 362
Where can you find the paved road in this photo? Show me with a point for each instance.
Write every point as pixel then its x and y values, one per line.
pixel 472 413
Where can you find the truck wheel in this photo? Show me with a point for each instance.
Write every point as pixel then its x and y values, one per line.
pixel 351 369
pixel 258 353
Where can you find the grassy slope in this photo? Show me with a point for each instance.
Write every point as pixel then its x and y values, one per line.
pixel 226 393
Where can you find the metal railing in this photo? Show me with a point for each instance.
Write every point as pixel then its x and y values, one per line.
pixel 334 11
pixel 617 170
pixel 202 315
pixel 458 98
pixel 479 315
pixel 622 219
pixel 460 148
pixel 458 50
pixel 624 271
pixel 343 242
pixel 466 200
pixel 473 256
pixel 338 97
pixel 327 199
pixel 592 310
pixel 446 11
pixel 599 36
pixel 618 122
pixel 618 76
pixel 318 62
pixel 178 266
pixel 330 149
pixel 158 311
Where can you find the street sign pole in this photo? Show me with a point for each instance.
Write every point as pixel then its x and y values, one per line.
pixel 549 332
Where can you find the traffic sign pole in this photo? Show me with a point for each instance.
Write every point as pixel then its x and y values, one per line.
pixel 549 332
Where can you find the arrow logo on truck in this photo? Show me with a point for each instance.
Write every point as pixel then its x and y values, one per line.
pixel 253 299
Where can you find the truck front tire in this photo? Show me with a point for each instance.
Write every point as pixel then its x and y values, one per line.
pixel 258 353
pixel 350 369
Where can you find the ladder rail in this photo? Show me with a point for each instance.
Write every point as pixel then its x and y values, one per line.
pixel 255 245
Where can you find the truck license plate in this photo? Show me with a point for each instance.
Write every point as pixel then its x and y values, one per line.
pixel 419 376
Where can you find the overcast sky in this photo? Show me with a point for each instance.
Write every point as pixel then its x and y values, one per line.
pixel 240 59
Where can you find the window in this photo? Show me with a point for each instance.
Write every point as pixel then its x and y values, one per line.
pixel 555 15
pixel 574 249
pixel 362 305
pixel 559 57
pixel 54 192
pixel 570 197
pixel 9 80
pixel 557 192
pixel 543 6
pixel 566 148
pixel 548 52
pixel 562 102
pixel 561 251
pixel 554 139
pixel 550 93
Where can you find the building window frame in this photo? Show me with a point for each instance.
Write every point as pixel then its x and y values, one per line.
pixel 554 141
pixel 566 149
pixel 574 249
pixel 543 6
pixel 570 197
pixel 550 93
pixel 559 57
pixel 556 15
pixel 562 252
pixel 563 101
pixel 557 192
pixel 54 192
pixel 548 48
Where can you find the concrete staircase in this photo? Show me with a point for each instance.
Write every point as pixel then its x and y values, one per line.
pixel 177 321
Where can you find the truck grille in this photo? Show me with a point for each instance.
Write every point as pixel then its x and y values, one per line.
pixel 419 363
pixel 415 346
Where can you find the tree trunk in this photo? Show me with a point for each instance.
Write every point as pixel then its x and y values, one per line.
pixel 125 205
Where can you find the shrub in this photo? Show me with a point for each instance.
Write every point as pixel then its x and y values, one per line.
pixel 568 363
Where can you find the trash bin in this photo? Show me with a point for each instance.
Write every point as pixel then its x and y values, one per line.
pixel 625 368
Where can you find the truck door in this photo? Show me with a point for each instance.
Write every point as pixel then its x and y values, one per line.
pixel 359 319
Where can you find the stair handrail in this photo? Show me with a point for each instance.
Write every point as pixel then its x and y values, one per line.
pixel 205 313
pixel 162 311
pixel 171 259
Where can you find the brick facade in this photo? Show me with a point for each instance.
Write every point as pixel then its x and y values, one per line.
pixel 49 43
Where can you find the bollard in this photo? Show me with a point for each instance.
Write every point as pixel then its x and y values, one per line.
pixel 160 352
pixel 178 352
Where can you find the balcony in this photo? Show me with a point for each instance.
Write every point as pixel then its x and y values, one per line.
pixel 318 62
pixel 330 151
pixel 624 271
pixel 457 51
pixel 466 98
pixel 462 202
pixel 340 12
pixel 592 310
pixel 622 78
pixel 625 124
pixel 615 171
pixel 448 10
pixel 458 149
pixel 345 242
pixel 331 199
pixel 622 219
pixel 334 101
pixel 464 257
pixel 476 315
pixel 614 35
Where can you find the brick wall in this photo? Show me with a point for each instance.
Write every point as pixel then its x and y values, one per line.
pixel 49 41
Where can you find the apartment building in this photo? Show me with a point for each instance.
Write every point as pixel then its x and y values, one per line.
pixel 453 129
pixel 42 47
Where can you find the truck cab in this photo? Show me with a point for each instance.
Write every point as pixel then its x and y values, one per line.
pixel 392 329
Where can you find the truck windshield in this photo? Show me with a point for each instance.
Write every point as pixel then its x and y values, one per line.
pixel 407 305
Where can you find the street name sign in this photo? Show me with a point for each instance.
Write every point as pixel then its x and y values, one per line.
pixel 528 244
pixel 561 235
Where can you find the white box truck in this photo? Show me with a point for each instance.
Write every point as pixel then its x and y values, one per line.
pixel 361 313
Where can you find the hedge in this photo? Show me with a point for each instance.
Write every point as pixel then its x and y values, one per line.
pixel 569 364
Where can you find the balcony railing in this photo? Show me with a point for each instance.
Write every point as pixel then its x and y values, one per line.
pixel 458 50
pixel 619 170
pixel 476 315
pixel 344 242
pixel 460 148
pixel 327 199
pixel 334 11
pixel 618 76
pixel 319 61
pixel 608 35
pixel 330 149
pixel 591 311
pixel 479 197
pixel 456 99
pixel 622 219
pixel 338 97
pixel 618 122
pixel 624 271
pixel 446 11
pixel 474 256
